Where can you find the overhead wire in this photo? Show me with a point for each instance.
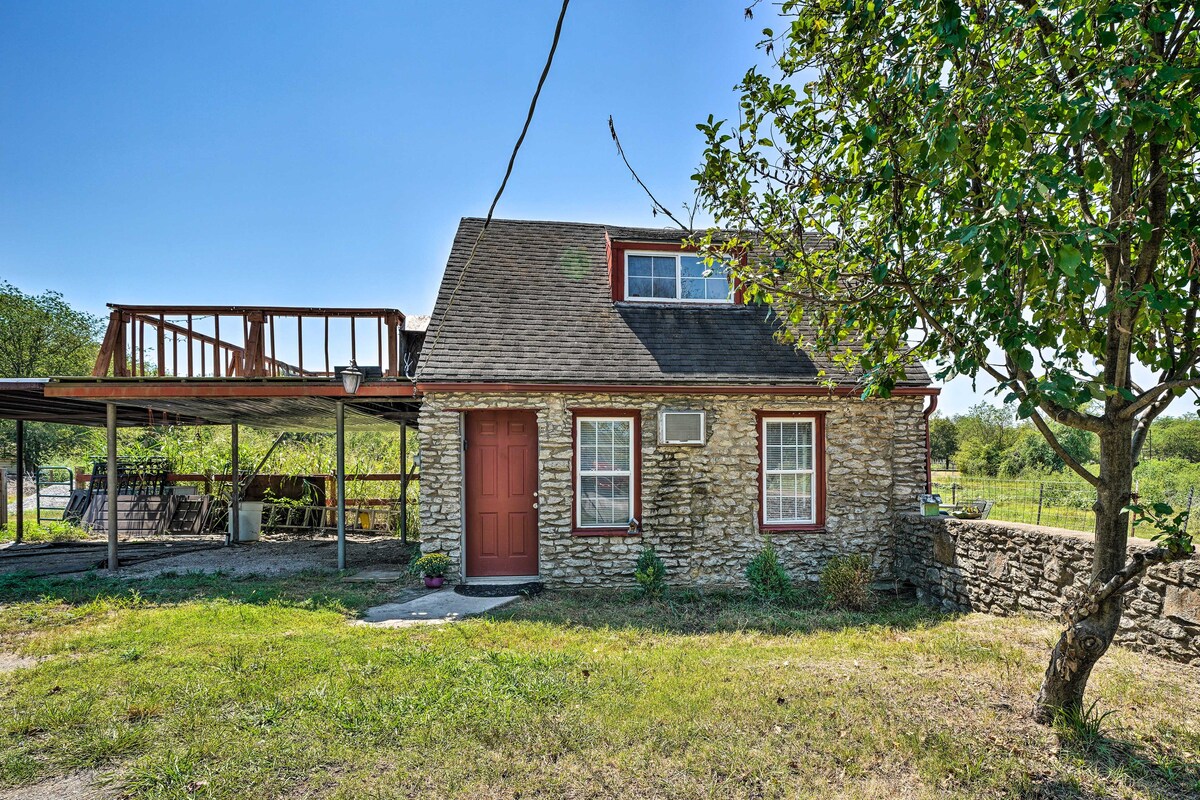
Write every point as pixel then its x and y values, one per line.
pixel 503 183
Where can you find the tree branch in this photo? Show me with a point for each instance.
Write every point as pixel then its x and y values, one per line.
pixel 1057 447
pixel 1146 398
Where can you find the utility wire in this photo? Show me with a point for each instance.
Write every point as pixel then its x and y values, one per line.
pixel 512 159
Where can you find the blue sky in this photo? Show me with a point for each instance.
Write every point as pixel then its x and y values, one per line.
pixel 322 153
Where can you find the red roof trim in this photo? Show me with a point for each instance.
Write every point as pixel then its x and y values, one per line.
pixel 645 388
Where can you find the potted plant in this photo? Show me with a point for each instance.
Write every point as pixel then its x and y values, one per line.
pixel 433 567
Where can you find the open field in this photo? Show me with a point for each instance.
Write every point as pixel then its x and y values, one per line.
pixel 212 687
pixel 1062 503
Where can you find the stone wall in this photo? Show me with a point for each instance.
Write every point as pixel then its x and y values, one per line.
pixel 699 503
pixel 1009 568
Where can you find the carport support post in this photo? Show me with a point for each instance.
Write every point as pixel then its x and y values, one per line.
pixel 235 500
pixel 20 480
pixel 340 446
pixel 112 483
pixel 404 483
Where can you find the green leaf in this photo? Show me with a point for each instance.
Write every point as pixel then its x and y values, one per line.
pixel 1025 360
pixel 947 141
pixel 1068 259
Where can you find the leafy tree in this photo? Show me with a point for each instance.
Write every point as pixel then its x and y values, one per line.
pixel 1180 440
pixel 985 432
pixel 1007 189
pixel 943 439
pixel 1032 452
pixel 41 335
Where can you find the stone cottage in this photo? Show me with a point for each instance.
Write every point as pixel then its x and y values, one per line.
pixel 590 389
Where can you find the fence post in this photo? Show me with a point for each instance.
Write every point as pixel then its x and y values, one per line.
pixel 953 494
pixel 1041 495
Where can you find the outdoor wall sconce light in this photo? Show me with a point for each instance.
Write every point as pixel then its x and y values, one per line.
pixel 352 378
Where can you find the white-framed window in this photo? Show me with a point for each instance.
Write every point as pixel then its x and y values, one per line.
pixel 669 277
pixel 604 471
pixel 789 452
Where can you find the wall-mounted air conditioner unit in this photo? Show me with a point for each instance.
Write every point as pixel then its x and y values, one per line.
pixel 681 427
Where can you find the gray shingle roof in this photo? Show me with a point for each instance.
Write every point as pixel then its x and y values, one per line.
pixel 535 307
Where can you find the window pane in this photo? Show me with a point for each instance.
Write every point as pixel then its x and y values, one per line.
pixel 621 432
pixel 717 288
pixel 774 434
pixel 692 267
pixel 604 445
pixel 640 266
pixel 665 288
pixel 693 289
pixel 640 287
pixel 788 433
pixel 789 459
pixel 664 267
pixel 604 501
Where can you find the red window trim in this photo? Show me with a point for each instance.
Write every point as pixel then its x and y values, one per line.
pixel 616 265
pixel 636 416
pixel 819 489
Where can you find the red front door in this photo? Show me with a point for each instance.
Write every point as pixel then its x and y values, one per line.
pixel 501 488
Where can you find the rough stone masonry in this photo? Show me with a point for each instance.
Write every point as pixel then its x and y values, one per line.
pixel 699 503
pixel 1008 568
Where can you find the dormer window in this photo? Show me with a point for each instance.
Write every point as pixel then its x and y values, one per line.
pixel 667 277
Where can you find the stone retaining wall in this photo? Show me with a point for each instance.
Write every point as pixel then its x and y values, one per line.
pixel 1008 568
pixel 699 503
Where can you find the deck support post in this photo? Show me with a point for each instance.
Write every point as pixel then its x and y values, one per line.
pixel 20 480
pixel 3 498
pixel 235 501
pixel 340 445
pixel 112 482
pixel 404 483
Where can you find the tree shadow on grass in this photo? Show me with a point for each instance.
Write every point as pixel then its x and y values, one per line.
pixel 1151 768
pixel 697 612
pixel 306 590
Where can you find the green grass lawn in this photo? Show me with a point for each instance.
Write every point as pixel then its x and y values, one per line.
pixel 188 687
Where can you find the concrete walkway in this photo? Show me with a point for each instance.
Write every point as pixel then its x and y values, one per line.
pixel 435 608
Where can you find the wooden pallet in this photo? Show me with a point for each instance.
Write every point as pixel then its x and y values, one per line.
pixel 137 515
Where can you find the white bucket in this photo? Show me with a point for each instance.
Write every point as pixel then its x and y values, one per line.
pixel 249 520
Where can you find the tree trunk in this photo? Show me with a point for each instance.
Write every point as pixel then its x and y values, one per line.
pixel 1086 639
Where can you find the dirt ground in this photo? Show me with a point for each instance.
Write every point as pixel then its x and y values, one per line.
pixel 281 557
pixel 269 557
pixel 76 786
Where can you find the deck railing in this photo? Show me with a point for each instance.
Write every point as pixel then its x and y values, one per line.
pixel 244 342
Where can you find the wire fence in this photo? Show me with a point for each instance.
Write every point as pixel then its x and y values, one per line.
pixel 1055 504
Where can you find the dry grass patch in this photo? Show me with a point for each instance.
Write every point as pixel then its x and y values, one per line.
pixel 262 693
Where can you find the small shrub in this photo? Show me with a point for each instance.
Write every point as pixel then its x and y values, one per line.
pixel 767 578
pixel 846 582
pixel 651 573
pixel 433 565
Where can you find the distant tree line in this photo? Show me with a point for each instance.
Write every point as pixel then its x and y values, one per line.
pixel 989 440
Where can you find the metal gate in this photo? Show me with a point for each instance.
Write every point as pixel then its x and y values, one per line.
pixel 53 492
